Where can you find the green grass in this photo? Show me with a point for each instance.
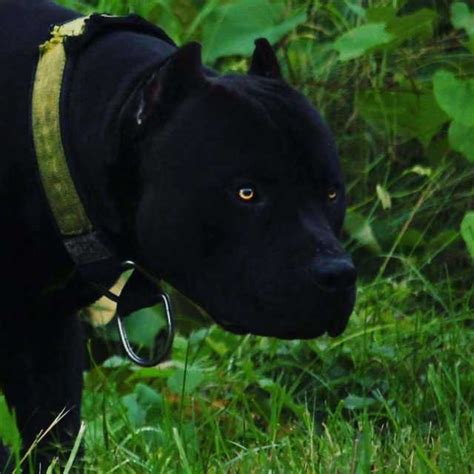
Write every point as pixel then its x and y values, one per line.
pixel 394 393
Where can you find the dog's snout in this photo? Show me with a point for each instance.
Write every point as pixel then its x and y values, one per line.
pixel 333 274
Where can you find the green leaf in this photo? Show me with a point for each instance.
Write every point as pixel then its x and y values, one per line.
pixel 191 378
pixel 461 138
pixel 385 351
pixel 361 40
pixel 136 414
pixel 384 196
pixel 143 405
pixel 455 96
pixel 416 25
pixel 9 434
pixel 402 28
pixel 359 228
pixel 144 325
pixel 151 373
pixel 161 13
pixel 442 240
pixel 467 232
pixel 410 114
pixel 354 402
pixel 151 401
pixel 217 346
pixel 148 397
pixel 356 8
pixel 470 45
pixel 232 28
pixel 380 14
pixel 462 18
pixel 419 170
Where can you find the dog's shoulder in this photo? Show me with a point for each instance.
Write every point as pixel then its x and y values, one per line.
pixel 27 22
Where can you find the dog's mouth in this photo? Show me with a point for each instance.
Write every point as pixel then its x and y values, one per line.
pixel 335 328
pixel 309 325
pixel 233 328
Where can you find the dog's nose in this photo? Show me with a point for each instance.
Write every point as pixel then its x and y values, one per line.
pixel 335 273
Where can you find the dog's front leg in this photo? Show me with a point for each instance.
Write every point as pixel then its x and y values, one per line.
pixel 41 364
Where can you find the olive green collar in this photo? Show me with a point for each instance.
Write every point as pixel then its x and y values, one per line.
pixel 80 239
pixel 59 187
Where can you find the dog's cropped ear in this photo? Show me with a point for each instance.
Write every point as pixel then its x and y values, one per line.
pixel 177 79
pixel 264 60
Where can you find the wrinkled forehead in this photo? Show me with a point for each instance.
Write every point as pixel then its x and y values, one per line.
pixel 261 126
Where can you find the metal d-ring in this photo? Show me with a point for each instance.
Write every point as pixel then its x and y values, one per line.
pixel 131 354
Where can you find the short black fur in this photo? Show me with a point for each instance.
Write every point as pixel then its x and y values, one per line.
pixel 160 149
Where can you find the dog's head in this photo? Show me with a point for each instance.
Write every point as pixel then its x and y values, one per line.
pixel 243 198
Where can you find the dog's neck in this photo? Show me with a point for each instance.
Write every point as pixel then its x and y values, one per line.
pixel 104 77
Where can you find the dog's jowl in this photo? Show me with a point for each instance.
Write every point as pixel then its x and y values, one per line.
pixel 118 145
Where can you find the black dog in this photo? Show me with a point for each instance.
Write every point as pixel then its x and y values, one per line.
pixel 229 187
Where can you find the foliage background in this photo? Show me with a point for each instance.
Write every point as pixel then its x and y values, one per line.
pixel 395 81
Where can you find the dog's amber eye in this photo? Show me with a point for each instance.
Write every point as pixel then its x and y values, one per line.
pixel 246 194
pixel 332 194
